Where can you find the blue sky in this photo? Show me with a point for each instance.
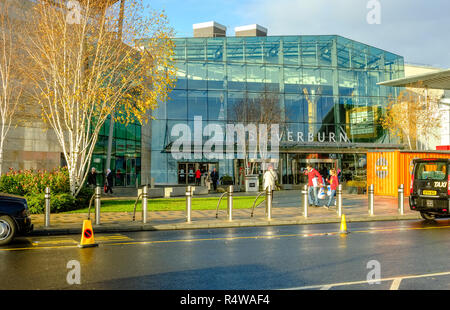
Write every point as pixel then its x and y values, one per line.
pixel 415 29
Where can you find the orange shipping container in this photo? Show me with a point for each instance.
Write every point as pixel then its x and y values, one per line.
pixel 386 170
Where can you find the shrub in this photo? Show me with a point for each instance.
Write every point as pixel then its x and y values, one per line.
pixel 32 183
pixel 25 182
pixel 58 203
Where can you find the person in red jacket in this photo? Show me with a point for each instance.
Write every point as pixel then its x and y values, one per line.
pixel 334 182
pixel 314 183
pixel 198 176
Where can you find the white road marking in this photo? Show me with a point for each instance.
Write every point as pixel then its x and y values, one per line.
pixel 396 281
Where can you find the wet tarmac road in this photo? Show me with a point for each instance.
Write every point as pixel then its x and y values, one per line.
pixel 409 254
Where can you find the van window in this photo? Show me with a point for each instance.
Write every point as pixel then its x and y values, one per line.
pixel 431 171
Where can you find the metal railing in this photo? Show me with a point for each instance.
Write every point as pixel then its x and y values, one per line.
pixel 144 196
pixel 229 194
pixel 218 204
pixel 256 199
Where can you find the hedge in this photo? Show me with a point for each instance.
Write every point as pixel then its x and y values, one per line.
pixel 32 183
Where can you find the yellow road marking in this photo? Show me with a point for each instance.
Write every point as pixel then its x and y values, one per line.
pixel 111 238
pixel 395 284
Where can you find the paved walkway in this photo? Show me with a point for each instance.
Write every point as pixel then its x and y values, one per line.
pixel 286 210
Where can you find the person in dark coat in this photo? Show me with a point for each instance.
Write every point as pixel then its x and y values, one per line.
pixel 214 178
pixel 109 181
pixel 92 178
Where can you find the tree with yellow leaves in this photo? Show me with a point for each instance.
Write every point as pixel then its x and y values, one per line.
pixel 86 60
pixel 413 116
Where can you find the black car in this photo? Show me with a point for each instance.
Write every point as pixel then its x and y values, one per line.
pixel 430 188
pixel 14 219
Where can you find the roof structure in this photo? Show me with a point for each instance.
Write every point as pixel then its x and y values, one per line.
pixel 434 80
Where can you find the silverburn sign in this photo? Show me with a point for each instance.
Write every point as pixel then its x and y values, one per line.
pixel 252 141
pixel 299 136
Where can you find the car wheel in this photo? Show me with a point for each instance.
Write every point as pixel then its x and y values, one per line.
pixel 427 216
pixel 7 229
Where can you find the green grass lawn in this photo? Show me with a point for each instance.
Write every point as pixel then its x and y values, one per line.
pixel 173 204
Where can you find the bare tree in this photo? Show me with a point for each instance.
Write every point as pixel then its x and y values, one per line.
pixel 10 80
pixel 81 72
pixel 264 109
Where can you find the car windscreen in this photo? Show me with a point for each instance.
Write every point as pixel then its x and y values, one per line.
pixel 431 171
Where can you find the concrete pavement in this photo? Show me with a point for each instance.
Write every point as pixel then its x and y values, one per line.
pixel 286 210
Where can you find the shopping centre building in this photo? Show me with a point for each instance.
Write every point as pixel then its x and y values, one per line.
pixel 325 87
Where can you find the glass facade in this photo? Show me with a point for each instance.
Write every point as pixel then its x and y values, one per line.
pixel 326 88
pixel 125 155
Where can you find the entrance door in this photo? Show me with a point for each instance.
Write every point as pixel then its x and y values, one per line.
pixel 131 172
pixel 182 173
pixel 191 168
pixel 186 171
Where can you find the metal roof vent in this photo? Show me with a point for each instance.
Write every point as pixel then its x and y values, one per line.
pixel 254 30
pixel 209 30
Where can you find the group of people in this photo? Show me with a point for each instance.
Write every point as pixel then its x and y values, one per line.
pixel 92 180
pixel 210 178
pixel 316 181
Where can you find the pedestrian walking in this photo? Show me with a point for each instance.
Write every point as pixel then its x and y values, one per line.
pixel 208 180
pixel 109 181
pixel 334 182
pixel 269 179
pixel 314 183
pixel 198 176
pixel 214 178
pixel 92 178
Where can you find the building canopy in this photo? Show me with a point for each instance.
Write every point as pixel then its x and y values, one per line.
pixel 435 80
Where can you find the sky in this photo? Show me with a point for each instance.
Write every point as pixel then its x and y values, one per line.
pixel 415 29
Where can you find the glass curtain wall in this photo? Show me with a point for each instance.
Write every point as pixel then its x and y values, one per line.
pixel 326 85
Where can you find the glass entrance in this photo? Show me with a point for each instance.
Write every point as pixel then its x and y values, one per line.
pixel 186 171
pixel 131 172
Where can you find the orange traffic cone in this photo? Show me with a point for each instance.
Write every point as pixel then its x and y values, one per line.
pixel 343 229
pixel 87 235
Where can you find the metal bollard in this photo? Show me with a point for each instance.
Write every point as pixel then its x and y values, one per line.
pixel 144 203
pixel 269 202
pixel 401 194
pixel 188 203
pixel 339 200
pixel 230 203
pixel 47 207
pixel 98 193
pixel 305 201
pixel 371 193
